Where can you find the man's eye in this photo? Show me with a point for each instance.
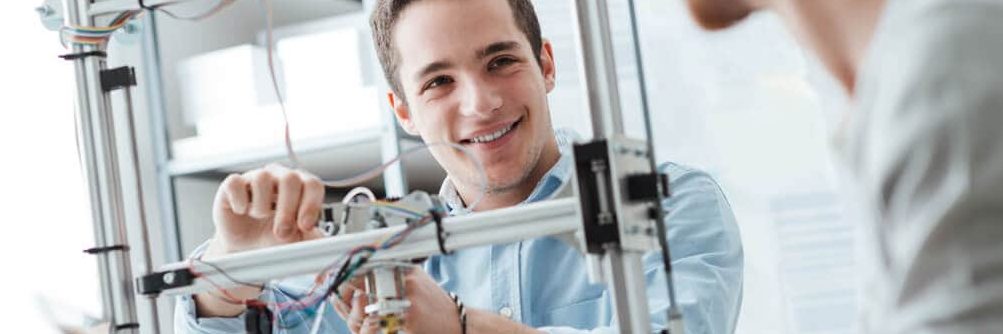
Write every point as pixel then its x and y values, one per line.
pixel 501 62
pixel 437 81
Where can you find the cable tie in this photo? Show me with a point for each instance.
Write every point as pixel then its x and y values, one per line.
pixel 440 234
pixel 131 325
pixel 106 249
pixel 81 55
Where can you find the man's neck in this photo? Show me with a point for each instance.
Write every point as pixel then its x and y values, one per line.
pixel 517 194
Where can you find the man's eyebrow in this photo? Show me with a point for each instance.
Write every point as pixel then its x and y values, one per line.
pixel 497 47
pixel 433 67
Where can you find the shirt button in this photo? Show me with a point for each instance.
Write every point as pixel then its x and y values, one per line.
pixel 506 312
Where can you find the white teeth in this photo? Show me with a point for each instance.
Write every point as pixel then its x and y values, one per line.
pixel 492 136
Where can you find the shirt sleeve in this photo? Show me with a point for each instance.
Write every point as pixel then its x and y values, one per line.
pixel 186 318
pixel 707 258
pixel 927 153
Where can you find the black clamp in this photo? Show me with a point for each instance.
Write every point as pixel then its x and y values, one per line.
pixel 155 283
pixel 258 319
pixel 647 187
pixel 440 233
pixel 106 249
pixel 121 77
pixel 81 55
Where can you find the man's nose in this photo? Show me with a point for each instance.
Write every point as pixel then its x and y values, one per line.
pixel 480 98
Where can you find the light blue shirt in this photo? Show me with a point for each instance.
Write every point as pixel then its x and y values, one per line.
pixel 543 282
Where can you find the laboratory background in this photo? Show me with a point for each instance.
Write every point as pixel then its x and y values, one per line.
pixel 748 105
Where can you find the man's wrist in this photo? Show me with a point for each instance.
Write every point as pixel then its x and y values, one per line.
pixel 461 312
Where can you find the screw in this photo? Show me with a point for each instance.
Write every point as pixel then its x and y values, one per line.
pixel 169 278
pixel 44 10
pixel 130 28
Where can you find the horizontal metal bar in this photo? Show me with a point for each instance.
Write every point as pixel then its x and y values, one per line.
pixel 507 225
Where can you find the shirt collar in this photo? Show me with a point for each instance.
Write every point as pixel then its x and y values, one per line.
pixel 547 188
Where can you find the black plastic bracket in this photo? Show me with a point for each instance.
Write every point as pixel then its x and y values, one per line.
pixel 595 185
pixel 120 77
pixel 155 283
pixel 645 187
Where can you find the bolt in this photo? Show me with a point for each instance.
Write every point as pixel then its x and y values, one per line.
pixel 44 10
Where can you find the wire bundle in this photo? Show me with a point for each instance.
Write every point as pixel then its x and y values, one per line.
pixel 97 35
pixel 328 281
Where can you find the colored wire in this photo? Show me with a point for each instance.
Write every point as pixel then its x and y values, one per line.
pixel 270 39
pixel 373 173
pixel 210 12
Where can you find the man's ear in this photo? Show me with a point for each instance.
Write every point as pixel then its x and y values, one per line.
pixel 547 65
pixel 402 113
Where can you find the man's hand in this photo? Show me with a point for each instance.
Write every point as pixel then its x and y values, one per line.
pixel 431 310
pixel 264 207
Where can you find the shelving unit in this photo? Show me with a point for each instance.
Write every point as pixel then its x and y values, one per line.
pixel 179 190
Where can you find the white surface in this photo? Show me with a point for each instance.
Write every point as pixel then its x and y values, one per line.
pixel 42 197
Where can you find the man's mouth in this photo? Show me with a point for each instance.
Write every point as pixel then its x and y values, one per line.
pixel 487 138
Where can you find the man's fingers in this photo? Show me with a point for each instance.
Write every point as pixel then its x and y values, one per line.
pixel 235 194
pixel 371 324
pixel 262 194
pixel 313 199
pixel 341 308
pixel 287 204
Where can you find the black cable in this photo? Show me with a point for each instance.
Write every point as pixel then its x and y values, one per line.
pixel 143 5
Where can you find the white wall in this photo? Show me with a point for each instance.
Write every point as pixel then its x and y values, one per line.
pixel 46 220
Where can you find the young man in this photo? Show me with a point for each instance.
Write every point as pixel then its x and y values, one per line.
pixel 477 73
pixel 924 151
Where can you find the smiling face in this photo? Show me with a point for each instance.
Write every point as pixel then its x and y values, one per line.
pixel 469 76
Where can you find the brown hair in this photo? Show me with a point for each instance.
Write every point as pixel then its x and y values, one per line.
pixel 385 16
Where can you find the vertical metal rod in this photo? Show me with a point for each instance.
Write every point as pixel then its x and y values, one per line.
pixel 96 143
pixel 598 67
pixel 623 270
pixel 158 125
pixel 625 273
pixel 144 230
pixel 673 311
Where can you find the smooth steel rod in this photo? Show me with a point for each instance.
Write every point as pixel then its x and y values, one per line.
pixel 597 67
pixel 99 161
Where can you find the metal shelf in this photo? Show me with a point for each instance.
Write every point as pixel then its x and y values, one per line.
pixel 332 157
pixel 251 158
